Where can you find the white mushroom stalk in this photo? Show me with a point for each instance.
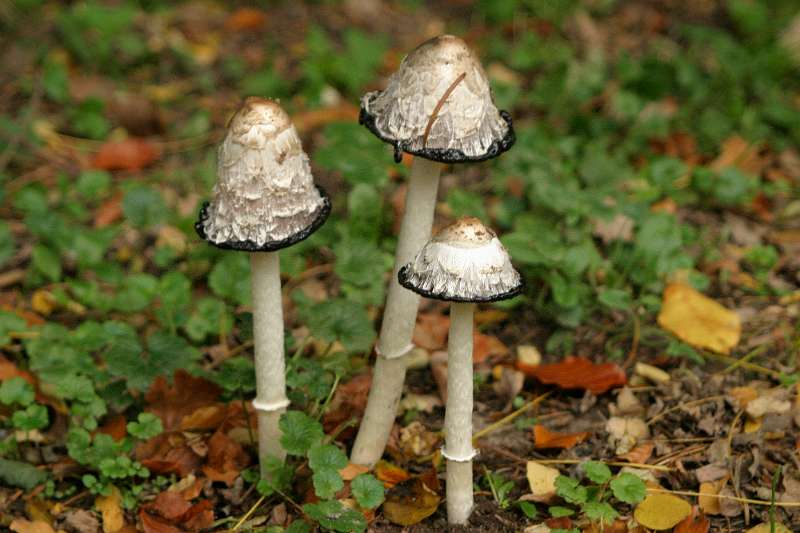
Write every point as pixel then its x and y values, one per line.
pixel 464 264
pixel 264 200
pixel 438 107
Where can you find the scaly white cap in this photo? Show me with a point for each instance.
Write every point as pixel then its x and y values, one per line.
pixel 465 262
pixel 265 198
pixel 438 105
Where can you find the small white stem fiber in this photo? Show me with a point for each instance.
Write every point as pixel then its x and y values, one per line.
pixel 458 414
pixel 270 401
pixel 399 317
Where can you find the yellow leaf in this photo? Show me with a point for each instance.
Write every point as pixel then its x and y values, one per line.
pixel 699 320
pixel 110 509
pixel 26 526
pixel 708 501
pixel 661 511
pixel 542 479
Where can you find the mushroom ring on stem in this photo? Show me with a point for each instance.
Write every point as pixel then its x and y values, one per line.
pixel 264 200
pixel 464 264
pixel 438 107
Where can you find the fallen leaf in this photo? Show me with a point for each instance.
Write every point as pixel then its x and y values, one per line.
pixel 81 521
pixel 698 320
pixel 661 511
pixel 26 526
pixel 226 459
pixel 619 228
pixel 541 480
pixel 108 212
pixel 485 346
pixel 187 394
pixel 413 500
pixel 43 302
pixel 737 152
pixel 416 440
pixel 206 418
pixel 129 154
pixel 773 401
pixel 246 19
pixel 544 438
pixel 153 524
pixel 578 373
pixel 694 523
pixel 743 395
pixel 352 470
pixel 708 501
pixel 168 454
pixel 640 454
pixel 420 402
pixel 115 427
pixel 390 474
pixel 431 331
pixel 349 401
pixel 111 511
pixel 314 119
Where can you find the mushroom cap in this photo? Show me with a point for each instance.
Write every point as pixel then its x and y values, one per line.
pixel 440 82
pixel 265 197
pixel 464 262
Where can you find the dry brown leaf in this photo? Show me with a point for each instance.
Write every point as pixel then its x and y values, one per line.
pixel 171 403
pixel 314 119
pixel 640 454
pixel 226 459
pixel 349 400
pixel 699 320
pixel 431 330
pixel 708 501
pixel 246 19
pixel 27 526
pixel 108 212
pixel 737 152
pixel 352 470
pixel 115 427
pixel 111 511
pixel 413 500
pixel 743 395
pixel 128 154
pixel 661 511
pixel 578 373
pixel 168 453
pixel 544 438
pixel 485 346
pixel 390 474
pixel 694 523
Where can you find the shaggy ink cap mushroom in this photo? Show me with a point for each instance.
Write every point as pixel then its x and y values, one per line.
pixel 438 105
pixel 265 198
pixel 464 262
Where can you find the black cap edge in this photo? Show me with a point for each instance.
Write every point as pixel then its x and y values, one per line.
pixel 441 155
pixel 250 246
pixel 402 278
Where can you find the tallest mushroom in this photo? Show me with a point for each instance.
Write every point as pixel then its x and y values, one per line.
pixel 437 107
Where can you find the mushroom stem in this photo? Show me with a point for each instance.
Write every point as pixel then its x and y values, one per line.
pixel 270 402
pixel 399 317
pixel 458 414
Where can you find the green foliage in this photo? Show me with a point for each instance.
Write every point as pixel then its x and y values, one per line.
pixel 500 488
pixel 230 278
pixel 594 500
pixel 340 320
pixel 334 516
pixel 358 157
pixel 19 474
pixel 300 432
pixel 144 206
pixel 16 390
pixel 147 426
pixel 367 490
pixel 32 417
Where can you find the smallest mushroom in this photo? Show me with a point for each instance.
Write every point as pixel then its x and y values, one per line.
pixel 464 264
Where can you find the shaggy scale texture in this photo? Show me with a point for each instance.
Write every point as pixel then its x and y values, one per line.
pixel 467 122
pixel 464 262
pixel 265 191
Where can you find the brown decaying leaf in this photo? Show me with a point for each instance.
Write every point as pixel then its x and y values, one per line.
pixel 352 470
pixel 485 346
pixel 578 373
pixel 226 459
pixel 314 119
pixel 246 19
pixel 639 454
pixel 544 438
pixel 171 403
pixel 698 320
pixel 115 427
pixel 168 453
pixel 27 526
pixel 413 500
pixel 390 474
pixel 171 509
pixel 128 154
pixel 431 331
pixel 108 212
pixel 694 523
pixel 349 400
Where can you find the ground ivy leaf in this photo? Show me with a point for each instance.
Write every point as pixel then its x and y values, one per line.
pixel 327 482
pixel 16 390
pixel 368 491
pixel 600 512
pixel 342 320
pixel 556 511
pixel 596 471
pixel 146 426
pixel 19 474
pixel 628 488
pixel 300 432
pixel 571 490
pixel 333 515
pixel 326 456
